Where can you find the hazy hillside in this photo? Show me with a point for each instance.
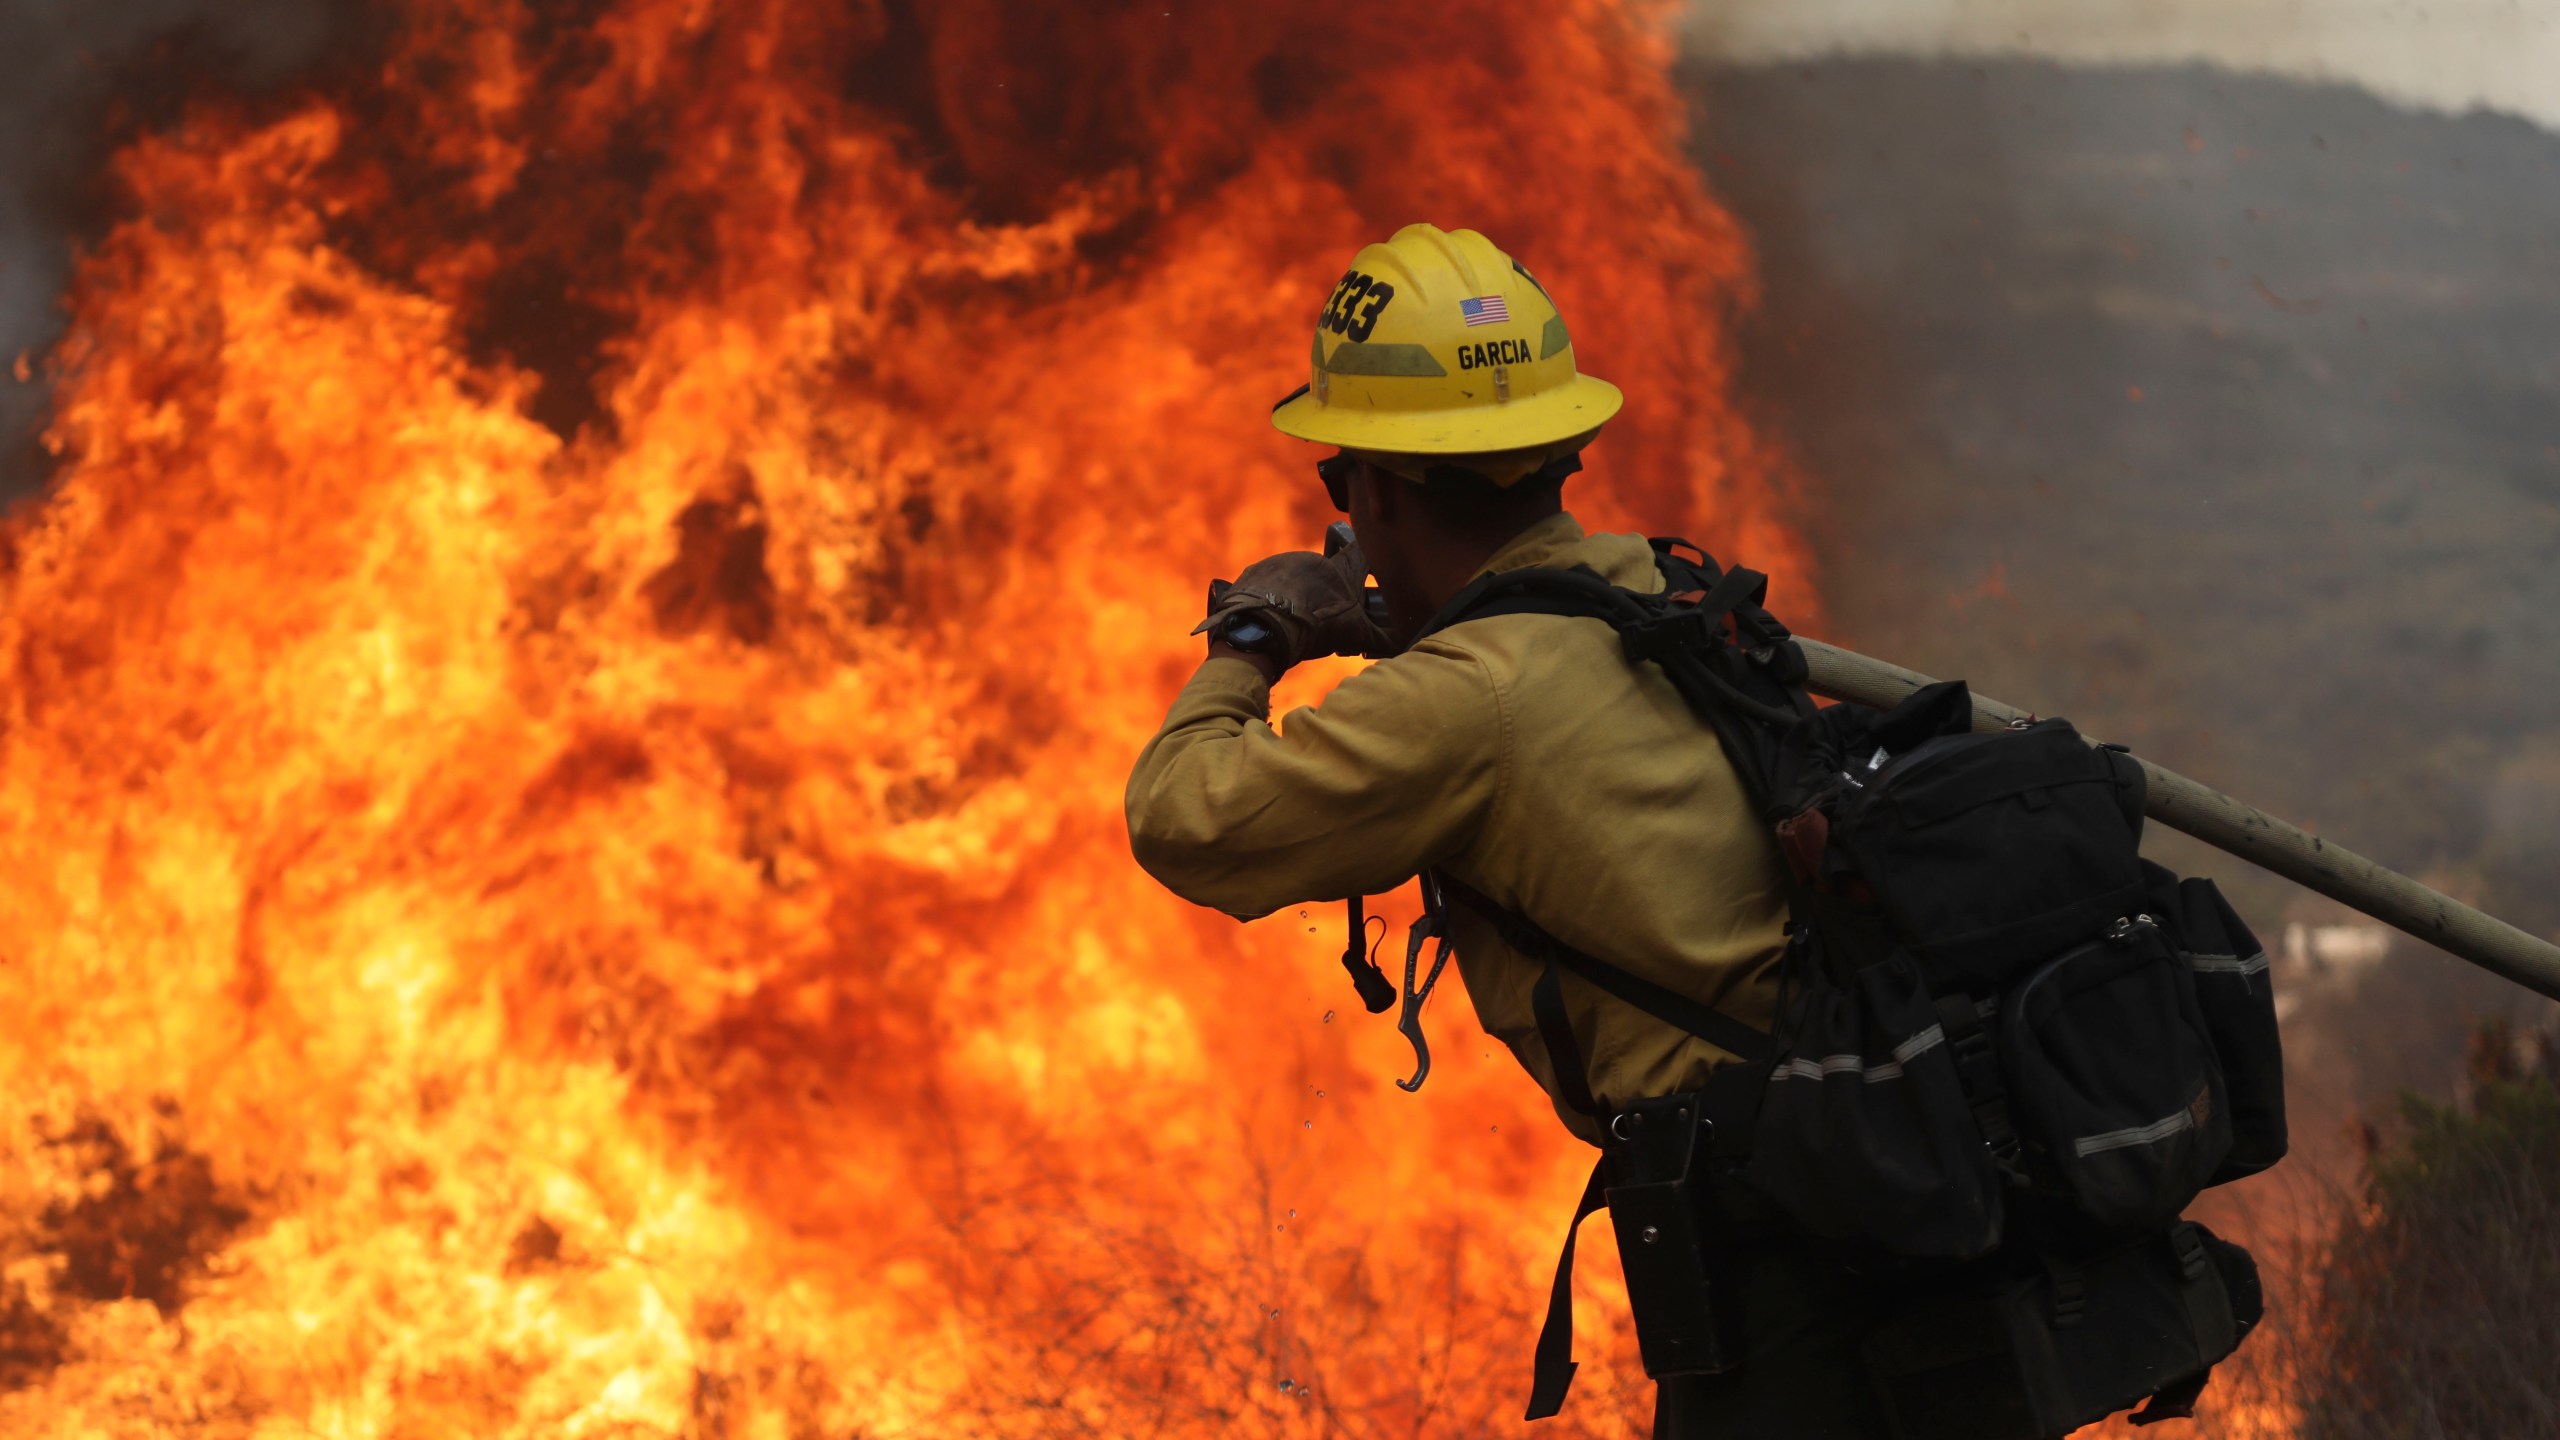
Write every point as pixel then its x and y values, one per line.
pixel 2219 413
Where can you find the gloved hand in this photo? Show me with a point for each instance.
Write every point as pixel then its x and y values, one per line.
pixel 1313 604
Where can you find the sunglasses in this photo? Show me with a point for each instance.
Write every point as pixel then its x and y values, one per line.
pixel 1335 471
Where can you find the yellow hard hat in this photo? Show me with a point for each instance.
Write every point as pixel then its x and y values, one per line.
pixel 1437 343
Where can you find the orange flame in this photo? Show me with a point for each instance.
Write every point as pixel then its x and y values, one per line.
pixel 630 934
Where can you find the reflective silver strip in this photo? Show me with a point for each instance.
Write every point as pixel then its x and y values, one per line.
pixel 1829 1065
pixel 2152 1133
pixel 2227 964
pixel 1920 1044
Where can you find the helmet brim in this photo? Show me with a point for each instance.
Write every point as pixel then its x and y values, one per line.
pixel 1583 403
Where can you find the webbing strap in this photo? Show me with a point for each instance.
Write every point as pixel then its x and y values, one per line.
pixel 1671 1008
pixel 2205 1321
pixel 1977 1064
pixel 2208 1306
pixel 1576 592
pixel 1564 1053
pixel 1552 1375
pixel 1738 587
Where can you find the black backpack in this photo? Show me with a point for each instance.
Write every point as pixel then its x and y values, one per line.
pixel 2008 1051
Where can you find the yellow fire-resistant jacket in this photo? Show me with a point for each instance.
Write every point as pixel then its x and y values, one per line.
pixel 1527 757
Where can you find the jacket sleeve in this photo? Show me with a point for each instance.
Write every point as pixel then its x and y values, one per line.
pixel 1394 772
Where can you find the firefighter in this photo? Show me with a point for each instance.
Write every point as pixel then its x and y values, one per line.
pixel 1520 755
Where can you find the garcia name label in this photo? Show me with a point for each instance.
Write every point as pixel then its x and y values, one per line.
pixel 1493 352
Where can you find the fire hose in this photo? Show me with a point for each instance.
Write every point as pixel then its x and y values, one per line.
pixel 2253 835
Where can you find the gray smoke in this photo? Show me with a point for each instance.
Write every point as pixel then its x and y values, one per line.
pixel 62 63
pixel 2218 412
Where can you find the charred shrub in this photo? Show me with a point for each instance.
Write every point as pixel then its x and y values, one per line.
pixel 2443 1294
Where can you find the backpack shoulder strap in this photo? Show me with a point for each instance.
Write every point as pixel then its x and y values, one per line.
pixel 1539 590
pixel 1679 630
pixel 1668 1006
pixel 1715 643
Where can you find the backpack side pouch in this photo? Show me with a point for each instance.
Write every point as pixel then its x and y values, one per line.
pixel 2237 992
pixel 2112 1079
pixel 1865 1137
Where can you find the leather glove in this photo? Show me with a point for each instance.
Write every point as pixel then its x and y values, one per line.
pixel 1313 605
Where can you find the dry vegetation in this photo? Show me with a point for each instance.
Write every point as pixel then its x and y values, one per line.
pixel 2428 1310
pixel 2441 1293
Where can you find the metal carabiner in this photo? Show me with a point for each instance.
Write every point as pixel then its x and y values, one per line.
pixel 1409 1019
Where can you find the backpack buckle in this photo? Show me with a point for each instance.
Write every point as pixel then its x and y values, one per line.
pixel 1657 637
pixel 2188 1246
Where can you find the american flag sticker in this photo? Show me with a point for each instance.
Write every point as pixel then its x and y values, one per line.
pixel 1486 310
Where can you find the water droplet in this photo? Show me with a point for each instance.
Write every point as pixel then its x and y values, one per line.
pixel 1288 1387
pixel 1328 1017
pixel 1319 1094
pixel 1302 914
pixel 1311 1124
pixel 1275 1314
pixel 1293 1214
pixel 1496 1129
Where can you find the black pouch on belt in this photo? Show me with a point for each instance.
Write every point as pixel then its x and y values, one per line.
pixel 1686 1309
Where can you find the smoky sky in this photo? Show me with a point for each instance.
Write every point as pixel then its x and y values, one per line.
pixel 2217 412
pixel 64 66
pixel 2448 55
